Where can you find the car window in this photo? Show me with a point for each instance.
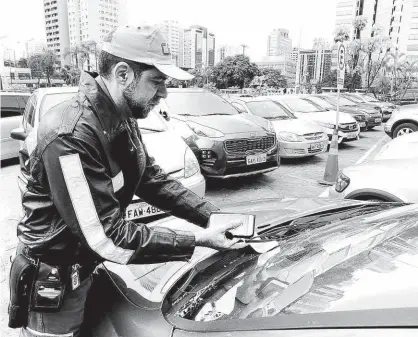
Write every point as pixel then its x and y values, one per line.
pixel 322 103
pixel 22 101
pixel 29 113
pixel 51 100
pixel 9 106
pixel 299 105
pixel 343 101
pixel 354 98
pixel 198 104
pixel 370 99
pixel 239 107
pixel 268 110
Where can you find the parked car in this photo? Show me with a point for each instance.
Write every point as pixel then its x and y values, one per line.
pixel 168 149
pixel 389 177
pixel 402 121
pixel 348 129
pixel 387 108
pixel 226 143
pixel 373 117
pixel 296 137
pixel 12 106
pixel 362 104
pixel 322 104
pixel 345 268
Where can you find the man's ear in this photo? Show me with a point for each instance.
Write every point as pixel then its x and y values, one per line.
pixel 123 73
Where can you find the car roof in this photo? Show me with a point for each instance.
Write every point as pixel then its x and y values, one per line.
pixel 55 90
pixel 252 99
pixel 188 90
pixel 14 93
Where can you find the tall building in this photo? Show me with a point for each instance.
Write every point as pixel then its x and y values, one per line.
pixel 313 66
pixel 279 43
pixel 173 34
pixel 225 51
pixel 198 48
pixel 92 20
pixel 56 27
pixel 286 66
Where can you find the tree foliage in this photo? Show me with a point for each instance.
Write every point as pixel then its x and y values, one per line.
pixel 237 70
pixel 43 65
pixel 273 78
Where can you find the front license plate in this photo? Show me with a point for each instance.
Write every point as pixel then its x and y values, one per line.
pixel 351 135
pixel 317 146
pixel 378 120
pixel 256 159
pixel 141 210
pixel 362 125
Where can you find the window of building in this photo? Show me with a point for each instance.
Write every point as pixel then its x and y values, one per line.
pixel 413 37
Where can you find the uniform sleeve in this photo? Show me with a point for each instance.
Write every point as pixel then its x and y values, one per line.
pixel 160 190
pixel 83 194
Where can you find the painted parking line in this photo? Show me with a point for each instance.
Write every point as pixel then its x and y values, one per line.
pixel 373 148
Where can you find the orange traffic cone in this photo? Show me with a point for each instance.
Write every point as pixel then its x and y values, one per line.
pixel 331 170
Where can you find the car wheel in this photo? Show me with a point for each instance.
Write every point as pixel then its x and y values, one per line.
pixel 404 129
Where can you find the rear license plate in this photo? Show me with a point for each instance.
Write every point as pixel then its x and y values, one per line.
pixel 351 135
pixel 317 146
pixel 256 159
pixel 362 124
pixel 378 120
pixel 141 210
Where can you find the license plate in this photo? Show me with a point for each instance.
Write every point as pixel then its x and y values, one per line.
pixel 362 125
pixel 317 146
pixel 141 210
pixel 378 120
pixel 256 159
pixel 351 135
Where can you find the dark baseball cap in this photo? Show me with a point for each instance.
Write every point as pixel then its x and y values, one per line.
pixel 145 44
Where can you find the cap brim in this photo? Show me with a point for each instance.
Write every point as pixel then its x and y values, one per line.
pixel 172 71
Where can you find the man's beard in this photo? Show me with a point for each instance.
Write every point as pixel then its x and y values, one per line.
pixel 138 109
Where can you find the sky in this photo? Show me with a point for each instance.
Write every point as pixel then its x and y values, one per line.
pixel 234 22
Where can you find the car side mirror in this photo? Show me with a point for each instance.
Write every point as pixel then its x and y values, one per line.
pixel 18 134
pixel 165 115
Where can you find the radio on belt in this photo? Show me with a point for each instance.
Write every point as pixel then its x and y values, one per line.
pixel 246 230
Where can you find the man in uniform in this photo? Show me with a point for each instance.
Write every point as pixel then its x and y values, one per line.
pixel 88 162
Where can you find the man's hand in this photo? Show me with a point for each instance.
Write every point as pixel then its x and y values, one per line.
pixel 215 238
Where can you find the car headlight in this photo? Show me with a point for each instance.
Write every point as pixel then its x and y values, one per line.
pixel 290 136
pixel 326 125
pixel 366 113
pixel 191 165
pixel 342 182
pixel 205 131
pixel 270 127
pixel 359 118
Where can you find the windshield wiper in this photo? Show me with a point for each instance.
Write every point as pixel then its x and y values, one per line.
pixel 278 117
pixel 218 114
pixel 151 129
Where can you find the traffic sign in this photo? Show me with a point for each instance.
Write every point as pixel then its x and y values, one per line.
pixel 341 66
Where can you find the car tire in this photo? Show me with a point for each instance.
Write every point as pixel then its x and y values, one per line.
pixel 404 129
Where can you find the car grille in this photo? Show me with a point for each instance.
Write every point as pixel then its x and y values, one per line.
pixel 245 145
pixel 314 151
pixel 348 127
pixel 313 136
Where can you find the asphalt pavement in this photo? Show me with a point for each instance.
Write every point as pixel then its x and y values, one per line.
pixel 294 179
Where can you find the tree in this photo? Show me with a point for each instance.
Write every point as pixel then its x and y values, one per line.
pixel 234 71
pixel 273 78
pixel 71 75
pixel 22 63
pixel 43 65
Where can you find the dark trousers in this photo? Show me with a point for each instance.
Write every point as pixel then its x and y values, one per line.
pixel 64 323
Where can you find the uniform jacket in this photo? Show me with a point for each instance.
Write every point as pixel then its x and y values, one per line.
pixel 87 165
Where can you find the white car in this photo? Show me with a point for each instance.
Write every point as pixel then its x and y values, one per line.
pixel 296 137
pixel 348 130
pixel 402 121
pixel 168 149
pixel 391 176
pixel 12 105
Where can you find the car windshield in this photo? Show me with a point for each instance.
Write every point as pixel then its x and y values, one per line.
pixel 299 105
pixel 323 104
pixel 153 123
pixel 198 104
pixel 370 99
pixel 343 101
pixel 268 110
pixel 355 98
pixel 315 268
pixel 51 100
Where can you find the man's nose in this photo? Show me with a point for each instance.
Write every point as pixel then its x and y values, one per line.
pixel 162 92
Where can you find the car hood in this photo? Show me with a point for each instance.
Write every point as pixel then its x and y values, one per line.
pixel 229 124
pixel 357 110
pixel 298 126
pixel 326 117
pixel 400 148
pixel 167 148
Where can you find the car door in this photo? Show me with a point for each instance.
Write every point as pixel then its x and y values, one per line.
pixel 10 119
